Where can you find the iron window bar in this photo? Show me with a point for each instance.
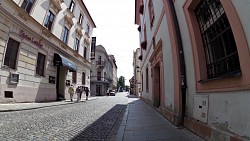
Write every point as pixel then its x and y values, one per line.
pixel 219 44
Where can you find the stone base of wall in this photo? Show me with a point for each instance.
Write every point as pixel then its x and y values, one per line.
pixel 209 133
pixel 199 128
pixel 27 94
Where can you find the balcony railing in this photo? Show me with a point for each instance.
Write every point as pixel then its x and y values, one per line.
pixel 100 63
pixel 100 79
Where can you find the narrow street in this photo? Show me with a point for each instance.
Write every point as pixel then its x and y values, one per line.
pixel 121 117
pixel 64 122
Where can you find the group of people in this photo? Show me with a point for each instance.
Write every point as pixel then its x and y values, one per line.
pixel 79 90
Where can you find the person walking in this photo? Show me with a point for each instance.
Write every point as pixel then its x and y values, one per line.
pixel 71 92
pixel 78 92
pixel 87 93
pixel 81 89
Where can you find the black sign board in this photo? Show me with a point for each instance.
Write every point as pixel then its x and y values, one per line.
pixel 52 79
pixel 93 43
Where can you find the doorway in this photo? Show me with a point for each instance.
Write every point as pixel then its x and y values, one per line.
pixel 98 90
pixel 157 86
pixel 60 85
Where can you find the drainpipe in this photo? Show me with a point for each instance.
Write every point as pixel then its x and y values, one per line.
pixel 181 62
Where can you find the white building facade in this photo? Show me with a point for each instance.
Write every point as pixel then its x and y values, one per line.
pixel 195 66
pixel 137 71
pixel 45 47
pixel 101 76
pixel 112 59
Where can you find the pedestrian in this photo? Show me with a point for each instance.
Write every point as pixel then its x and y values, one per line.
pixel 78 91
pixel 71 92
pixel 81 89
pixel 87 93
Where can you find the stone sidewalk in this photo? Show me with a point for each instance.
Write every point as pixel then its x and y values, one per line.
pixel 34 105
pixel 143 123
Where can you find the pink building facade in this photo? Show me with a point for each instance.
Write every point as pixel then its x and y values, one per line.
pixel 194 64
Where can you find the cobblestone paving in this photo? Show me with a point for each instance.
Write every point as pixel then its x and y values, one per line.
pixel 91 120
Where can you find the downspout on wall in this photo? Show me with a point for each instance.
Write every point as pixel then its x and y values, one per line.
pixel 181 61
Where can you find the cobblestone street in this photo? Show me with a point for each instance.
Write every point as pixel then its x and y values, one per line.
pixel 89 120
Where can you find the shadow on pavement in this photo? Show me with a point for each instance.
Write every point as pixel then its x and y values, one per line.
pixel 103 128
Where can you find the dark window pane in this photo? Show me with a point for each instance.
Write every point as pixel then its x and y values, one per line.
pixel 83 78
pixel 11 53
pixel 85 52
pixel 40 64
pixel 64 37
pixel 71 6
pixel 74 77
pixel 27 5
pixel 76 45
pixel 49 20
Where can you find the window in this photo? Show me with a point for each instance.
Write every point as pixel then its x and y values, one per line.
pixel 11 53
pixel 142 82
pixel 49 20
pixel 40 64
pixel 72 6
pixel 83 78
pixel 65 33
pixel 218 40
pixel 27 5
pixel 147 80
pixel 145 33
pixel 85 53
pixel 99 60
pixel 76 45
pixel 80 18
pixel 151 12
pixel 99 75
pixel 74 77
pixel 87 30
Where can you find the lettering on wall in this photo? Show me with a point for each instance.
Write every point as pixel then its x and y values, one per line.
pixel 23 35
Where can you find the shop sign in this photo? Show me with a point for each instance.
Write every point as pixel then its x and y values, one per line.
pixel 30 39
pixel 93 44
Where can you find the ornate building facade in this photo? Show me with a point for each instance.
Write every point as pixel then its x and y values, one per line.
pixel 45 47
pixel 194 64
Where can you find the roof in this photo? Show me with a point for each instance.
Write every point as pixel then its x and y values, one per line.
pixel 88 14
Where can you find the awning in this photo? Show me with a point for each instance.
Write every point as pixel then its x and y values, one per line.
pixel 60 60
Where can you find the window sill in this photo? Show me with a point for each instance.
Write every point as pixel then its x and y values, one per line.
pixel 232 74
pixel 37 75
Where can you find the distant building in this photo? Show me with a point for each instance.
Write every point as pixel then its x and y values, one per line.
pixel 101 76
pixel 44 48
pixel 196 64
pixel 132 85
pixel 114 82
pixel 137 71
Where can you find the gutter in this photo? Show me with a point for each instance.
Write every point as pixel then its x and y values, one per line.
pixel 181 61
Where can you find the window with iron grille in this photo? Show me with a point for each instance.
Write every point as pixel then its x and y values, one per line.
pixel 49 20
pixel 83 78
pixel 74 77
pixel 11 53
pixel 27 5
pixel 218 40
pixel 40 64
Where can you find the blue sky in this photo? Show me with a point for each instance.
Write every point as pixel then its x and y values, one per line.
pixel 116 31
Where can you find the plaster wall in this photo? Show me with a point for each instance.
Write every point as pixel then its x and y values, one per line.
pixel 227 110
pixel 163 34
